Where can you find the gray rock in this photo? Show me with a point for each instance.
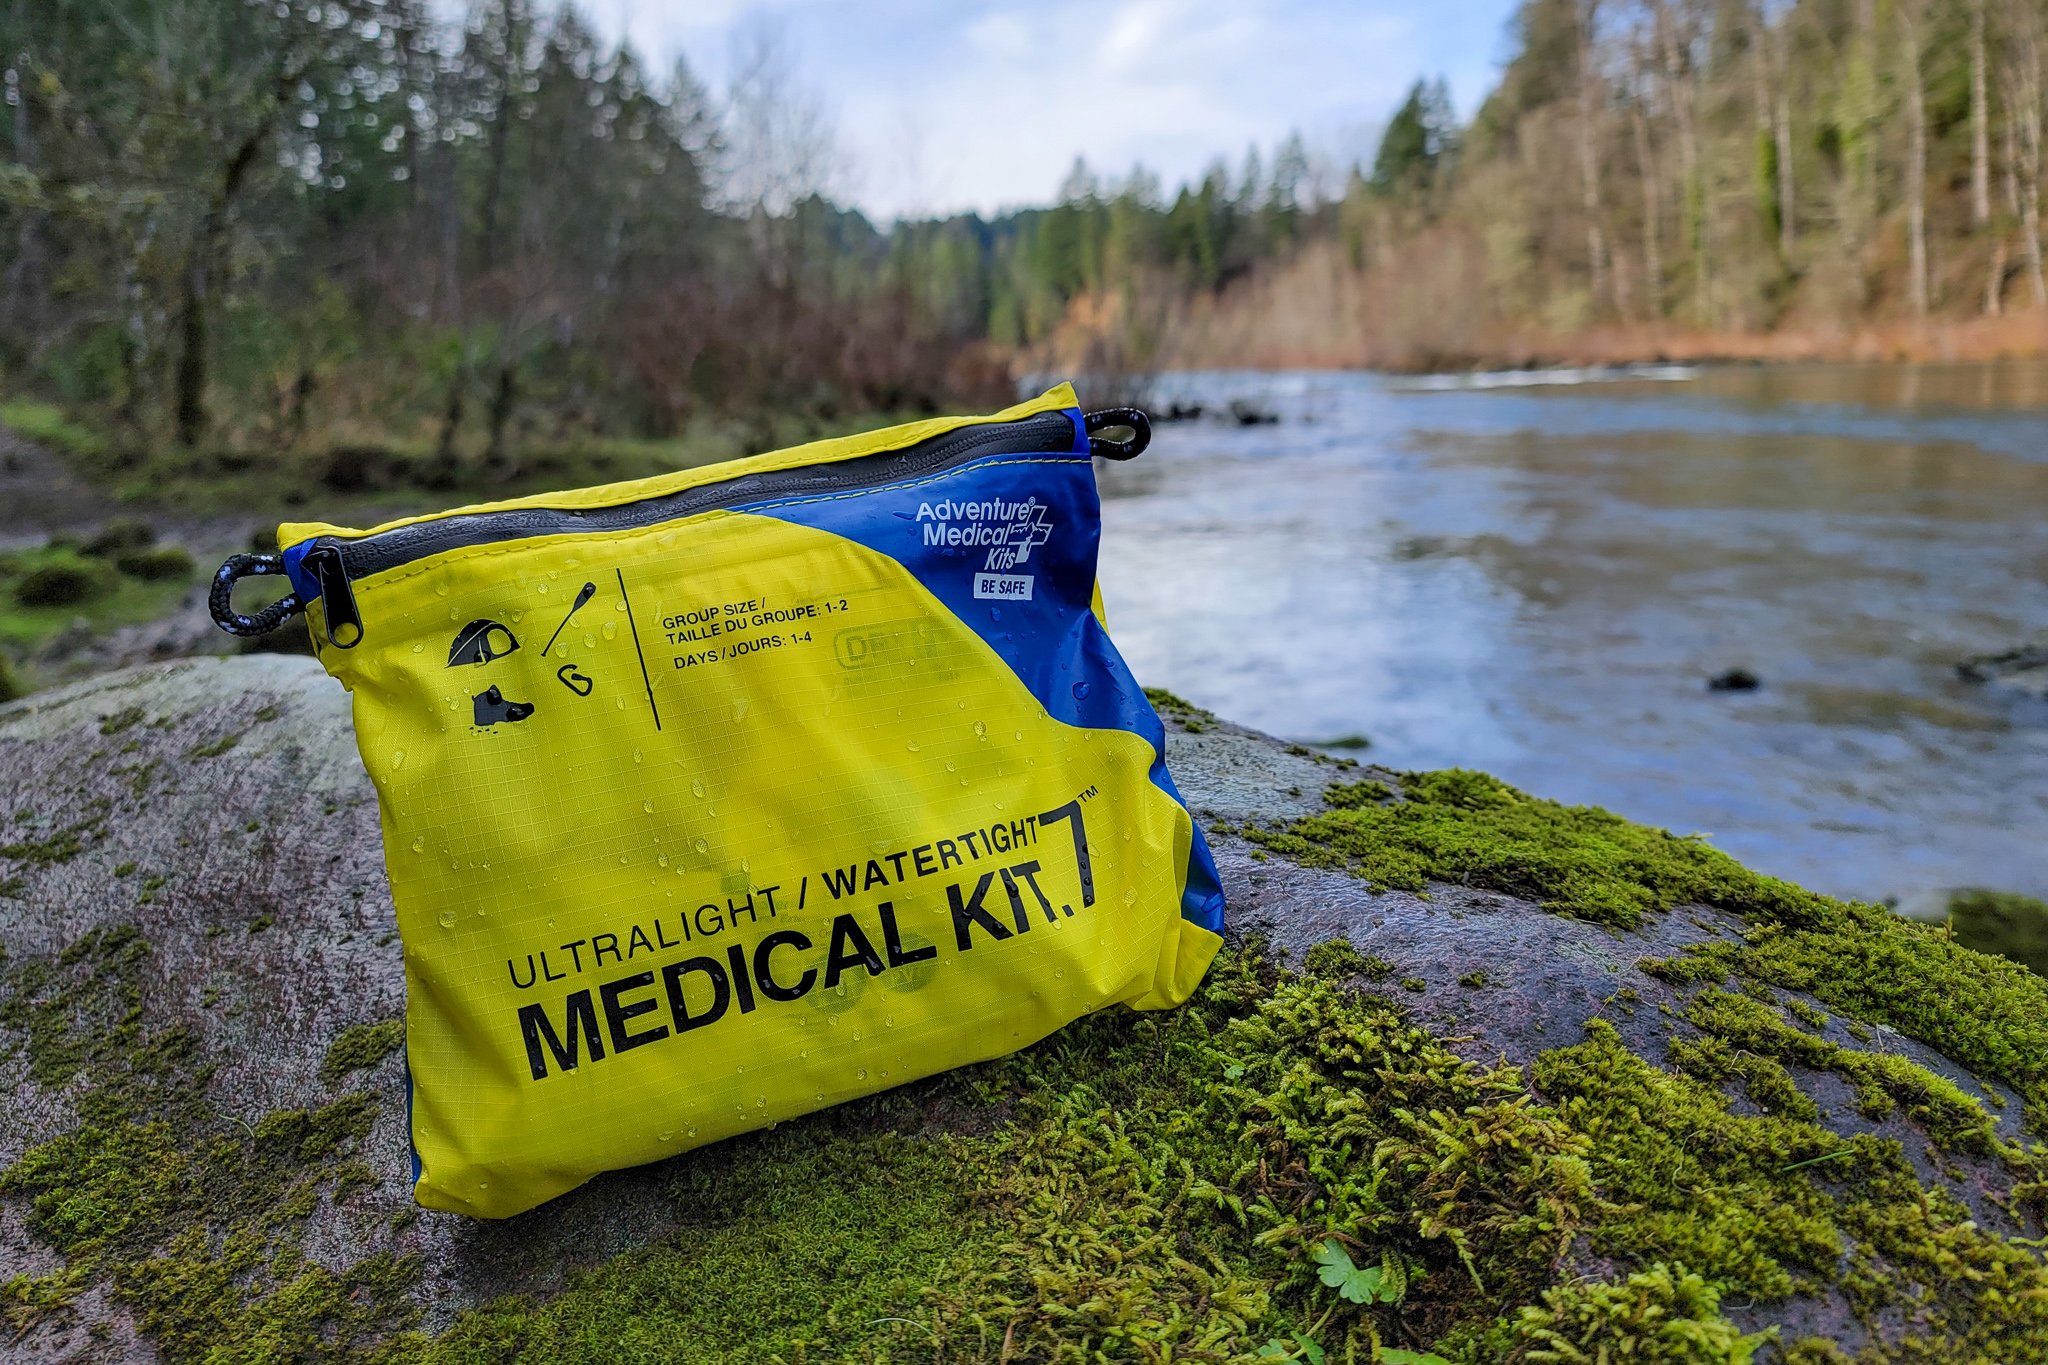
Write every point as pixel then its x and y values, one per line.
pixel 220 806
pixel 2023 670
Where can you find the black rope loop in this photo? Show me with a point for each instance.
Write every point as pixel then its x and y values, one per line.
pixel 1105 419
pixel 219 599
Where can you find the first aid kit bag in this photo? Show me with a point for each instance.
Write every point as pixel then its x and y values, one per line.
pixel 715 798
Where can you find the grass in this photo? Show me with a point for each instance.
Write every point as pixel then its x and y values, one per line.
pixel 375 474
pixel 46 424
pixel 120 598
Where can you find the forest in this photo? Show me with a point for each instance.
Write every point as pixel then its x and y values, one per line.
pixel 428 248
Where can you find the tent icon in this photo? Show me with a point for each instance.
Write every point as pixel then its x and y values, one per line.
pixel 479 642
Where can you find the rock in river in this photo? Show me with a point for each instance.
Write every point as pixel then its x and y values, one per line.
pixel 1544 1080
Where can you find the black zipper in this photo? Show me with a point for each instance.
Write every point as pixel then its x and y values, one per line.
pixel 335 562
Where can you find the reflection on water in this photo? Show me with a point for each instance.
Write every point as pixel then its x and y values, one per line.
pixel 1538 580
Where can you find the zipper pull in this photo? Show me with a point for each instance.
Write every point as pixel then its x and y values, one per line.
pixel 337 599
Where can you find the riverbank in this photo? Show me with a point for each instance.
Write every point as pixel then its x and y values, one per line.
pixel 1219 342
pixel 1317 312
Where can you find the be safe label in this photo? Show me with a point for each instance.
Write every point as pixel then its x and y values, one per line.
pixel 1003 587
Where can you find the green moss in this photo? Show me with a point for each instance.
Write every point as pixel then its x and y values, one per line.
pixel 191 1220
pixel 1186 714
pixel 1465 827
pixel 215 749
pixel 799 1248
pixel 361 1046
pixel 1809 1015
pixel 26 1300
pixel 1657 1316
pixel 1766 1205
pixel 1985 1013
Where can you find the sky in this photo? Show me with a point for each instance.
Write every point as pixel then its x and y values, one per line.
pixel 945 105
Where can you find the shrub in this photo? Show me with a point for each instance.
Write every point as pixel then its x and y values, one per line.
pixel 63 583
pixel 2002 922
pixel 11 685
pixel 123 536
pixel 157 566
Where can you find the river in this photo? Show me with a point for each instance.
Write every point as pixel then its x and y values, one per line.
pixel 1538 579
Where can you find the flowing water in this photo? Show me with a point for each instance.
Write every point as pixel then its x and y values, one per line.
pixel 1538 578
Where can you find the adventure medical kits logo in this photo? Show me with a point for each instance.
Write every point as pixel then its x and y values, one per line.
pixel 1010 529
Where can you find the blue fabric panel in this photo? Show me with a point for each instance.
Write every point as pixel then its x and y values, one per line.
pixel 981 528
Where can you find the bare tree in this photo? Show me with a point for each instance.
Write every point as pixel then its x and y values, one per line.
pixel 779 143
pixel 1589 98
pixel 1916 155
pixel 1980 123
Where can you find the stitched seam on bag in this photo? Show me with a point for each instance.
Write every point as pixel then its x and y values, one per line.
pixel 514 546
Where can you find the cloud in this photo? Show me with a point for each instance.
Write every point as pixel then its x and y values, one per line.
pixel 950 104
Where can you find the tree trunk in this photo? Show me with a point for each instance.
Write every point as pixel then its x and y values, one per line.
pixel 26 275
pixel 1653 245
pixel 502 401
pixel 1684 97
pixel 2024 109
pixel 1589 165
pixel 1980 124
pixel 1916 160
pixel 1782 126
pixel 201 269
pixel 511 73
pixel 1763 113
pixel 451 426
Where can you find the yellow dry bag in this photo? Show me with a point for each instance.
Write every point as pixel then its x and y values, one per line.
pixel 716 798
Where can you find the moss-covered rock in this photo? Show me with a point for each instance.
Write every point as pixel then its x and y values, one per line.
pixel 1482 1078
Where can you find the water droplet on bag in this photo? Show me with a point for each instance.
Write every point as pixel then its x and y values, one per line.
pixel 861 1074
pixel 661 860
pixel 995 613
pixel 637 758
pixel 1081 691
pixel 589 640
pixel 447 919
pixel 610 630
pixel 697 790
pixel 647 806
pixel 702 846
pixel 398 758
pixel 981 729
pixel 419 649
pixel 914 746
pixel 419 843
